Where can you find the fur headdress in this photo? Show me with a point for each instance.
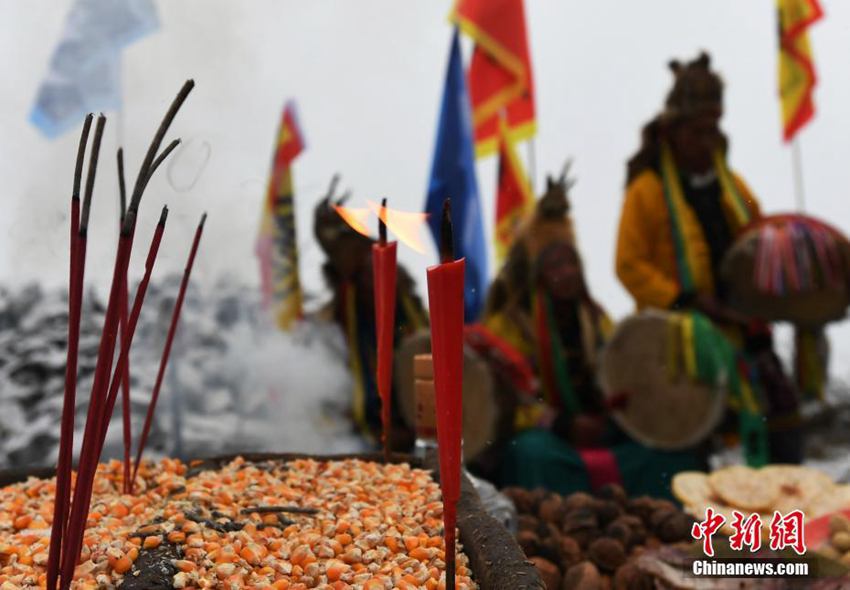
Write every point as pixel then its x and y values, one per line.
pixel 343 245
pixel 550 224
pixel 696 90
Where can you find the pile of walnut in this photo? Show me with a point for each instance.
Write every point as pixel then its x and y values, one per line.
pixel 584 542
pixel 838 546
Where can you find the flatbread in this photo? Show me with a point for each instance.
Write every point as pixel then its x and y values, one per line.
pixel 832 500
pixel 742 487
pixel 799 486
pixel 691 487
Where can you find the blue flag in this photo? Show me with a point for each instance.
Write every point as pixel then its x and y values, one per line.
pixel 84 71
pixel 453 176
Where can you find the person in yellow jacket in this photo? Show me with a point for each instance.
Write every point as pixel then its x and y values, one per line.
pixel 682 211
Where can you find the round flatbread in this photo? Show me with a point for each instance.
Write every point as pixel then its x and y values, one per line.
pixel 798 485
pixel 691 488
pixel 832 500
pixel 742 488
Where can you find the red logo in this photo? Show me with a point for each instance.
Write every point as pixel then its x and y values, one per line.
pixel 747 532
pixel 786 531
pixel 705 530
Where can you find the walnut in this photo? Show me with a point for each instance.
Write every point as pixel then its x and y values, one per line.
pixel 529 542
pixel 582 525
pixel 537 496
pixel 549 572
pixel 677 527
pixel 545 530
pixel 613 492
pixel 620 531
pixel 521 499
pixel 550 548
pixel 642 507
pixel 578 500
pixel 551 509
pixel 526 522
pixel 582 576
pixel 661 504
pixel 570 552
pixel 581 518
pixel 608 554
pixel 606 511
pixel 637 531
pixel 629 577
pixel 658 518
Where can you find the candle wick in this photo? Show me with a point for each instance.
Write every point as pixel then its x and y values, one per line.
pixel 446 234
pixel 382 224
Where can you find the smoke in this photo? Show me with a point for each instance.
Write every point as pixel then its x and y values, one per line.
pixel 297 393
pixel 233 383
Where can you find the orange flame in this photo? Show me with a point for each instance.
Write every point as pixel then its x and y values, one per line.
pixel 356 218
pixel 405 225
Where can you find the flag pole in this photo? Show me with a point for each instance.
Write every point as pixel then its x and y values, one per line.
pixel 532 164
pixel 797 167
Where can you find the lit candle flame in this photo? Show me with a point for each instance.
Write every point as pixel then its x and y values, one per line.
pixel 406 226
pixel 356 218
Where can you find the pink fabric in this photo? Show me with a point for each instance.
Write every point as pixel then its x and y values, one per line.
pixel 601 466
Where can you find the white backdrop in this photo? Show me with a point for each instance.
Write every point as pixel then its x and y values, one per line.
pixel 368 76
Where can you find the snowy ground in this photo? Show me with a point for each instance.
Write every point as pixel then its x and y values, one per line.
pixel 231 385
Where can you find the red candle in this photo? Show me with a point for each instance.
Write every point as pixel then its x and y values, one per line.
pixel 445 303
pixel 384 281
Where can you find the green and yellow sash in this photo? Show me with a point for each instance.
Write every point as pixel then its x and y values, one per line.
pixel 734 203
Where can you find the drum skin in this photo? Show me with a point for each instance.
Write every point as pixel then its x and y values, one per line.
pixel 656 408
pixel 481 412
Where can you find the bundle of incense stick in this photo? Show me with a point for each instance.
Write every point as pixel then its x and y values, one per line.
pixel 70 516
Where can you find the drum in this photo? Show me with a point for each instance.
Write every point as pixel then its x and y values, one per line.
pixel 481 410
pixel 790 268
pixel 652 398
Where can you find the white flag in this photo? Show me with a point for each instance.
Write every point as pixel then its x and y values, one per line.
pixel 84 71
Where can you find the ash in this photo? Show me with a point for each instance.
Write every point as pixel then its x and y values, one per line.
pixel 233 383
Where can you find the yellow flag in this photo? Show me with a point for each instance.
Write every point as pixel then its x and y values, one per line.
pixel 796 65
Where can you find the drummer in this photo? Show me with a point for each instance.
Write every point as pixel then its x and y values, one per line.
pixel 541 306
pixel 348 272
pixel 683 209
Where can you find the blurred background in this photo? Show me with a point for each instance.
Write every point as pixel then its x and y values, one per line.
pixel 368 78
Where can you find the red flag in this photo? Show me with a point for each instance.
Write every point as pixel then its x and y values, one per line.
pixel 500 78
pixel 514 199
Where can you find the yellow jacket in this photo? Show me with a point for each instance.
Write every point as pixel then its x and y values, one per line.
pixel 646 253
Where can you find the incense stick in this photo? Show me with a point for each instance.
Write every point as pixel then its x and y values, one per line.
pixel 124 355
pixel 96 420
pixel 93 156
pixel 66 436
pixel 122 324
pixel 169 340
pixel 146 168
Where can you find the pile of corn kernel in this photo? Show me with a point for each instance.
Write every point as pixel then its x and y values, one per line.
pixel 375 527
